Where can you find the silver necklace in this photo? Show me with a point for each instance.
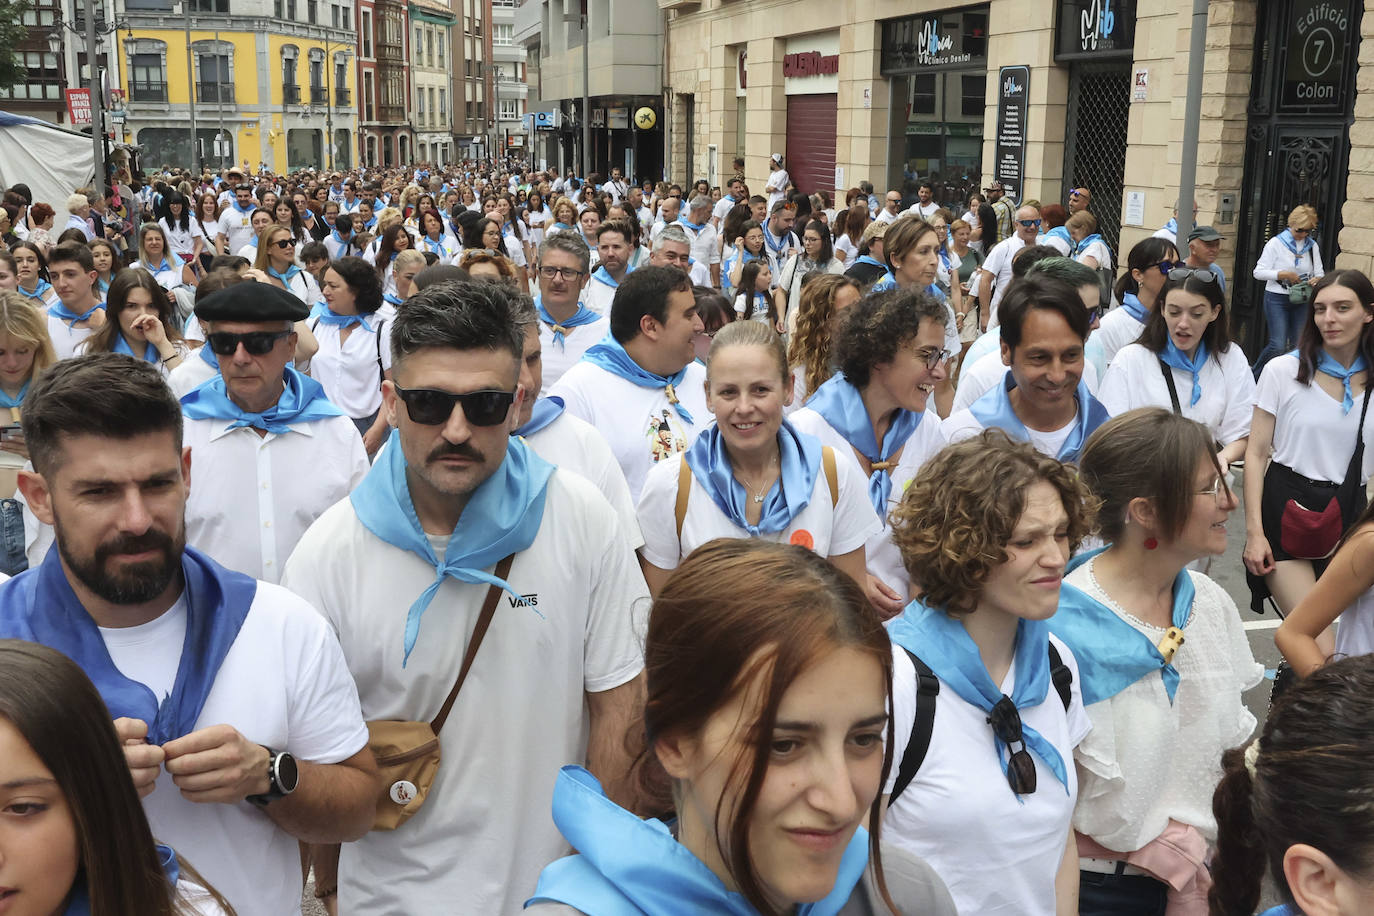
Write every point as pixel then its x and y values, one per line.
pixel 759 493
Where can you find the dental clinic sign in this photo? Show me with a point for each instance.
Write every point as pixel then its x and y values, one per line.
pixel 1095 29
pixel 1318 42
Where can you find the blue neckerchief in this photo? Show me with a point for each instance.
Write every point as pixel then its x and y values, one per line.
pixel 942 643
pixel 1286 237
pixel 1083 245
pixel 502 517
pixel 234 202
pixel 322 312
pixel 286 277
pixel 1176 358
pixel 944 257
pixel 11 403
pixel 302 400
pixel 800 459
pixel 39 291
pixel 885 282
pixel 939 294
pixel 165 265
pixel 611 356
pixel 1059 232
pixel 546 410
pixel 345 242
pixel 695 227
pixel 432 245
pixel 392 298
pixel 369 224
pixel 768 240
pixel 629 867
pixel 1112 655
pixel 39 606
pixel 842 406
pixel 870 261
pixel 60 310
pixel 994 409
pixel 150 354
pixel 1132 304
pixel 79 903
pixel 561 226
pixel 1328 365
pixel 582 316
pixel 1283 909
pixel 1171 226
pixel 601 275
pixel 103 284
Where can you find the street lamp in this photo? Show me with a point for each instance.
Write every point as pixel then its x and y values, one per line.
pixel 94 32
pixel 329 97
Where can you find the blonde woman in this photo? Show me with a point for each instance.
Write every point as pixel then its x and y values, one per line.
pixel 1290 262
pixel 25 351
pixel 277 259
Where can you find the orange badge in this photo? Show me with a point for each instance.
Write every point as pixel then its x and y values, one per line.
pixel 803 538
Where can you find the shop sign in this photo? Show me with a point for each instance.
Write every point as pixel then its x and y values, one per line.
pixel 810 63
pixel 1318 42
pixel 941 40
pixel 1095 29
pixel 1013 104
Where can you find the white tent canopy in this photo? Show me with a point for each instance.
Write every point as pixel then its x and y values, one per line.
pixel 52 161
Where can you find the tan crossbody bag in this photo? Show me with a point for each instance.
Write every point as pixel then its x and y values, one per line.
pixel 407 753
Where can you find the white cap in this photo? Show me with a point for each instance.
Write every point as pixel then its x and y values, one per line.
pixel 777 157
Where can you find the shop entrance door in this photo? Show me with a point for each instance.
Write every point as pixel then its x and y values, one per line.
pixel 1095 142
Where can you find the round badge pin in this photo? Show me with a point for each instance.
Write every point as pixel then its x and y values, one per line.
pixel 403 791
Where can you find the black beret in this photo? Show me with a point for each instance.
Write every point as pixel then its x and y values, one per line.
pixel 250 301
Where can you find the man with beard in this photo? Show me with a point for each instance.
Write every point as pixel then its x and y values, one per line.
pixel 613 247
pixel 240 724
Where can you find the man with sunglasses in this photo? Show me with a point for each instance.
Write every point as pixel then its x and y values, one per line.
pixel 1003 206
pixel 892 207
pixel 1079 200
pixel 996 270
pixel 567 328
pixel 454 506
pixel 261 427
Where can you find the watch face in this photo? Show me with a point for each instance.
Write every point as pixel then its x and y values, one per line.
pixel 287 773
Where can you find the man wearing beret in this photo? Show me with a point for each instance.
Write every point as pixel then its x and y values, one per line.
pixel 260 427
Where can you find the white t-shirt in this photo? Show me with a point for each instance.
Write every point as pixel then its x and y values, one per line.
pixel 1117 329
pixel 1355 633
pixel 987 371
pixel 486 829
pixel 1147 760
pixel 189 374
pixel 282 684
pixel 924 211
pixel 181 241
pixel 598 296
pixel 1312 434
pixel 835 529
pixel 633 419
pixel 846 251
pixel 236 226
pixel 722 209
pixel 998 264
pixel 209 228
pixel 65 338
pixel 883 558
pixel 304 288
pixel 1098 250
pixel 705 243
pixel 349 371
pixel 560 356
pixel 776 186
pixel 293 477
pixel 997 854
pixel 1228 389
pixel 575 446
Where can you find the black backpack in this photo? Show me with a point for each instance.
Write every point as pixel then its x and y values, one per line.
pixel 928 690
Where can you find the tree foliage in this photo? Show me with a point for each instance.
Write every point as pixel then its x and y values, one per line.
pixel 13 32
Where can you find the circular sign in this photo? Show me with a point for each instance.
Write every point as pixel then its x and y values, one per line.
pixel 645 118
pixel 1318 52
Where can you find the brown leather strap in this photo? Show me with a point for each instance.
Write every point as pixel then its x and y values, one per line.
pixel 478 631
pixel 684 490
pixel 831 477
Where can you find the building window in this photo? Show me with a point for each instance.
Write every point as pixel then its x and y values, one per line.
pixel 974 98
pixel 421 107
pixel 39 17
pixel 368 106
pixel 216 83
pixel 510 110
pixel 290 89
pixel 443 105
pixel 343 12
pixel 334 15
pixel 44 80
pixel 366 29
pixel 290 9
pixel 312 11
pixel 429 46
pixel 923 93
pixel 210 6
pixel 147 83
pixel 419 49
pixel 443 40
pixel 317 93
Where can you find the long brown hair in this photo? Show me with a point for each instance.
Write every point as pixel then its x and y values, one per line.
pixel 730 598
pixel 810 346
pixel 102 340
pixel 57 710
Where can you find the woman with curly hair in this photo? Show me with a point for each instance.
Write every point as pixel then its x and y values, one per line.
pixel 1161 715
pixel 985 701
pixel 481 263
pixel 809 351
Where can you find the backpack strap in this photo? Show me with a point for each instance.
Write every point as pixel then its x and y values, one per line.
pixel 831 475
pixel 684 490
pixel 1173 390
pixel 927 691
pixel 381 371
pixel 1062 678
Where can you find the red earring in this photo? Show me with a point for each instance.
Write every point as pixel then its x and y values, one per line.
pixel 1151 543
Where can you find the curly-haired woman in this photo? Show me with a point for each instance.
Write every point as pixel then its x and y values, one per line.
pixel 986 704
pixel 809 352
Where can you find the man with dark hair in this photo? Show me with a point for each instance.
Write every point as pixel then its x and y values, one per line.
pixel 236 220
pixel 779 241
pixel 642 387
pixel 79 312
pixel 758 208
pixel 460 515
pixel 567 327
pixel 925 206
pixel 734 194
pixel 1042 399
pixel 342 241
pixel 613 241
pixel 230 696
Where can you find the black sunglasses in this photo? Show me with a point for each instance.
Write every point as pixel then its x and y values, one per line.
pixel 257 343
pixel 284 244
pixel 1006 725
pixel 431 407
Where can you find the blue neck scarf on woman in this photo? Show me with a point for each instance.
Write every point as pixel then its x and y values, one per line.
pixel 1327 364
pixel 12 403
pixel 150 354
pixel 392 298
pixel 61 311
pixel 611 356
pixel 302 400
pixel 545 411
pixel 1171 226
pixel 1060 232
pixel 165 265
pixel 80 902
pixel 942 643
pixel 285 277
pixel 1286 237
pixel 1176 358
pixel 1112 655
pixel 841 405
pixel 40 606
pixel 502 517
pixel 1133 306
pixel 870 261
pixel 800 458
pixel 994 409
pixel 1084 245
pixel 323 313
pixel 581 317
pixel 435 246
pixel 625 866
pixel 40 289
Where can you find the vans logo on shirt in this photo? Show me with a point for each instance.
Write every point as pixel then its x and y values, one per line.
pixel 530 600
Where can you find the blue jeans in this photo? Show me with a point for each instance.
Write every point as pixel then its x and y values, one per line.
pixel 1284 321
pixel 13 561
pixel 1120 895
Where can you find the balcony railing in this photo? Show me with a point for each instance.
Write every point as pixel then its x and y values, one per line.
pixel 291 95
pixel 317 95
pixel 343 97
pixel 215 92
pixel 145 91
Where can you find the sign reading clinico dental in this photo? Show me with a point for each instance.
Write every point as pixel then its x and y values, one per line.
pixel 943 40
pixel 1314 68
pixel 811 64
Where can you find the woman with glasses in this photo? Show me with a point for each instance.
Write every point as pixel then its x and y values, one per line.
pixel 986 704
pixel 816 257
pixel 1147 270
pixel 277 259
pixel 873 411
pixel 1184 362
pixel 752 474
pixel 1309 455
pixel 354 355
pixel 1163 661
pixel 140 323
pixel 1288 265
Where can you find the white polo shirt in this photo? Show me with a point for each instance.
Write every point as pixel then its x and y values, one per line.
pixel 575 446
pixel 486 830
pixel 560 356
pixel 293 477
pixel 190 373
pixel 599 295
pixel 348 370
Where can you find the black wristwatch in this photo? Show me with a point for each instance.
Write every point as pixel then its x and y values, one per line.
pixel 282 777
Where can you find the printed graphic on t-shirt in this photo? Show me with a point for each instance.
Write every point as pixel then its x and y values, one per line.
pixel 665 438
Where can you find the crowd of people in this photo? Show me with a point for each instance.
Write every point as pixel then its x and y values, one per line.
pixel 478 539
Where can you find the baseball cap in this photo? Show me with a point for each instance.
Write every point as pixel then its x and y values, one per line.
pixel 777 157
pixel 876 230
pixel 1205 234
pixel 995 186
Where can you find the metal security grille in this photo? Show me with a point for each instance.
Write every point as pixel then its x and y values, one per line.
pixel 1095 145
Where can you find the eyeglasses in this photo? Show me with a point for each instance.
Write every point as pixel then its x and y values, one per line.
pixel 1215 491
pixel 560 273
pixel 932 357
pixel 1299 231
pixel 1205 274
pixel 256 343
pixel 1094 314
pixel 1006 725
pixel 1028 223
pixel 284 244
pixel 431 407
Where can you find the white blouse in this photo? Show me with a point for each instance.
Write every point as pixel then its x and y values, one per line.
pixel 348 370
pixel 1276 257
pixel 1228 389
pixel 1312 434
pixel 1146 760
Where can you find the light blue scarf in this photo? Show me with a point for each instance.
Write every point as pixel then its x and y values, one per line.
pixel 942 643
pixel 800 459
pixel 285 278
pixel 1171 226
pixel 601 275
pixel 842 406
pixel 1173 356
pixel 1087 241
pixel 11 403
pixel 392 298
pixel 59 310
pixel 1133 306
pixel 1286 237
pixel 432 245
pixel 611 356
pixel 322 312
pixel 1061 233
pixel 775 247
pixel 150 354
pixel 1112 655
pixel 39 291
pixel 546 410
pixel 581 317
pixel 302 400
pixel 629 867
pixel 502 517
pixel 695 227
pixel 1327 364
pixel 994 409
pixel 870 261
